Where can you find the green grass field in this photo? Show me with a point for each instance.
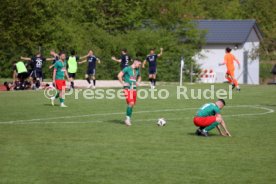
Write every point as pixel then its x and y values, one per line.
pixel 88 142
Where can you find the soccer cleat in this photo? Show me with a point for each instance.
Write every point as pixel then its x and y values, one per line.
pixel 238 89
pixel 198 132
pixel 63 105
pixel 94 87
pixel 53 101
pixel 127 121
pixel 89 86
pixel 204 133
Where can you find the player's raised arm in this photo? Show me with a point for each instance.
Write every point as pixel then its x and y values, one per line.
pixel 115 59
pixel 25 58
pixel 84 57
pixel 161 52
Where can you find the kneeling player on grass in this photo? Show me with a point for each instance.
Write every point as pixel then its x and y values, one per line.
pixel 130 77
pixel 59 79
pixel 208 117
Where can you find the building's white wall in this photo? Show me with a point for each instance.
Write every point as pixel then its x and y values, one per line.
pixel 211 55
pixel 252 45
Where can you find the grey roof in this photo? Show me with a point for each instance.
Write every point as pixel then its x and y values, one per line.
pixel 227 31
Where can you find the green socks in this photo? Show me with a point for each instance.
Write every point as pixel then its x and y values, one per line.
pixel 210 127
pixel 129 111
pixel 61 100
pixel 57 95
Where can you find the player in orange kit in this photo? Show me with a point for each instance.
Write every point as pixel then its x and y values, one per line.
pixel 229 62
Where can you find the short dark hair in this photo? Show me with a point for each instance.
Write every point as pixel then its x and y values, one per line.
pixel 153 49
pixel 228 49
pixel 222 101
pixel 73 52
pixel 125 50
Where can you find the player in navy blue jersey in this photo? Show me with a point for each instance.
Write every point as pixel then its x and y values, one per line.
pixel 91 59
pixel 37 64
pixel 124 59
pixel 152 60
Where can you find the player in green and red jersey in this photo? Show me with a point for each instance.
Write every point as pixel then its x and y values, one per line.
pixel 59 75
pixel 130 78
pixel 208 117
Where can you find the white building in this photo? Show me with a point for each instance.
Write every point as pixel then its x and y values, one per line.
pixel 242 36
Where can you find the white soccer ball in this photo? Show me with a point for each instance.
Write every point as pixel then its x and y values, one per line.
pixel 161 122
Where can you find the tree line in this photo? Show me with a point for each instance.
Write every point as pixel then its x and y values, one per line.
pixel 107 26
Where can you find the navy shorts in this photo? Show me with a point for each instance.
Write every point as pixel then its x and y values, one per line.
pixel 152 70
pixel 91 71
pixel 36 74
pixel 72 75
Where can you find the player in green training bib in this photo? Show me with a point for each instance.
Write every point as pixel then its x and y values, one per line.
pixel 73 66
pixel 209 117
pixel 130 78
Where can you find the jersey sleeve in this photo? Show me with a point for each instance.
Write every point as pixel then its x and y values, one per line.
pixel 125 70
pixel 217 110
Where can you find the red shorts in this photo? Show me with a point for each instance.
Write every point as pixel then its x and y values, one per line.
pixel 130 95
pixel 204 121
pixel 60 84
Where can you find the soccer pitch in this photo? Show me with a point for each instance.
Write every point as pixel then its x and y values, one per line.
pixel 88 142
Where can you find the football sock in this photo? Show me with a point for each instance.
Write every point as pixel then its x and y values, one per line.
pixel 72 84
pixel 94 82
pixel 37 84
pixel 129 111
pixel 229 80
pixel 88 80
pixel 210 127
pixel 235 82
pixel 154 82
pixel 61 100
pixel 150 79
pixel 57 95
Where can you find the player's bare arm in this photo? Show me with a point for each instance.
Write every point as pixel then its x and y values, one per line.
pixel 82 61
pixel 115 59
pixel 237 61
pixel 161 52
pixel 144 64
pixel 50 59
pixel 120 77
pixel 54 75
pixel 67 76
pixel 25 58
pixel 99 61
pixel 84 57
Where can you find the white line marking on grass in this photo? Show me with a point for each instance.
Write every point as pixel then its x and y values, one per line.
pixel 34 121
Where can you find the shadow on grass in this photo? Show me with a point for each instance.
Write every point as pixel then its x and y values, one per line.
pixel 116 121
pixel 51 105
pixel 210 134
